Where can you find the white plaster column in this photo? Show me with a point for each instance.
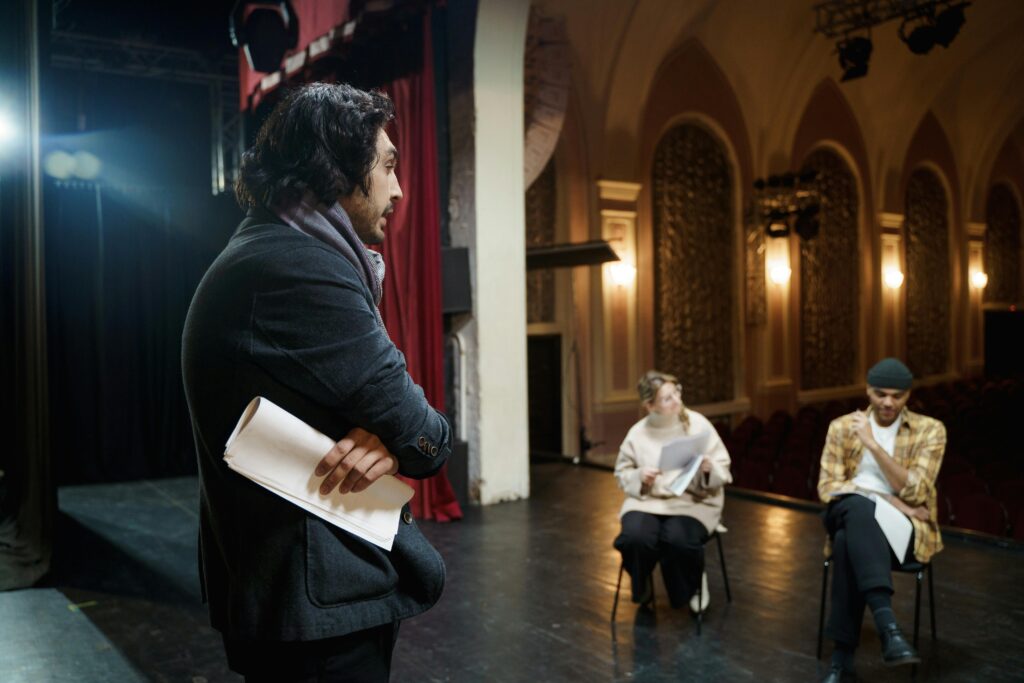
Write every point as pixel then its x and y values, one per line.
pixel 496 413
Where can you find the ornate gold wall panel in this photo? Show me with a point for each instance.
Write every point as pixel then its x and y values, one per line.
pixel 928 275
pixel 1002 246
pixel 694 245
pixel 829 286
pixel 541 205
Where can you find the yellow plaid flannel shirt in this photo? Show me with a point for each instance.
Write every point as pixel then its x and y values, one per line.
pixel 920 445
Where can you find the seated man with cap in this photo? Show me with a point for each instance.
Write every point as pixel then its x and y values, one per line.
pixel 893 453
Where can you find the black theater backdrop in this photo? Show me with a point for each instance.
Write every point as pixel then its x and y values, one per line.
pixel 124 253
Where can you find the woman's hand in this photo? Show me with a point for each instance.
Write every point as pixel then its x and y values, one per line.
pixel 647 477
pixel 705 466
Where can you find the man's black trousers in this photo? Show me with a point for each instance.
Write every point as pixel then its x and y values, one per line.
pixel 360 657
pixel 861 561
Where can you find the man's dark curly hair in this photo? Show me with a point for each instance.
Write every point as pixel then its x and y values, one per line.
pixel 321 137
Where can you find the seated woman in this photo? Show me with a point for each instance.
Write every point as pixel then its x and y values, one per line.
pixel 659 525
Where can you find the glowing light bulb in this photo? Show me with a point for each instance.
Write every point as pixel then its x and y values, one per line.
pixel 892 277
pixel 979 279
pixel 780 273
pixel 622 274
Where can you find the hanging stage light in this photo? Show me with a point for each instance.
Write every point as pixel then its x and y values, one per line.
pixel 854 54
pixel 265 32
pixel 807 223
pixel 949 22
pixel 778 223
pixel 922 37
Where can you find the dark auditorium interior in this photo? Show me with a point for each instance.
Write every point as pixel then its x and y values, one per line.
pixel 763 199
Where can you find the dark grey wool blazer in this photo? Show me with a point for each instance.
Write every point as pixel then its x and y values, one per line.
pixel 282 315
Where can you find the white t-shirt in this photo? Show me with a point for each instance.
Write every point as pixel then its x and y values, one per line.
pixel 869 475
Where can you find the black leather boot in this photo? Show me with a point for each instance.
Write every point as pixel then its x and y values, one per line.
pixel 836 674
pixel 895 648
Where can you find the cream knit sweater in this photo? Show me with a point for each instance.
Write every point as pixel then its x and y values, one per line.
pixel 641 448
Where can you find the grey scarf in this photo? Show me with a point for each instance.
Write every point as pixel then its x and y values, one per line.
pixel 332 226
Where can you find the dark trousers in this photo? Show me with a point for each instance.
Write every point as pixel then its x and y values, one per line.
pixel 676 541
pixel 360 657
pixel 861 561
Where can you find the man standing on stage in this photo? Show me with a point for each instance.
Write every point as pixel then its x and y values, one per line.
pixel 894 453
pixel 288 311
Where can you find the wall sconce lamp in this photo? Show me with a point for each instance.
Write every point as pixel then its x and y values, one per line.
pixel 779 273
pixel 622 274
pixel 979 279
pixel 892 277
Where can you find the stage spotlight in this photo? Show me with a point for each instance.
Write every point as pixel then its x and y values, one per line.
pixel 807 223
pixel 7 129
pixel 808 176
pixel 949 22
pixel 86 166
pixel 778 223
pixel 854 54
pixel 59 165
pixel 266 32
pixel 921 39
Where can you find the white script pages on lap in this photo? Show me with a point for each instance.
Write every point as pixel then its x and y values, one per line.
pixel 280 452
pixel 683 454
pixel 894 524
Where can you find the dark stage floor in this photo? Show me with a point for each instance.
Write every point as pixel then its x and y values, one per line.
pixel 528 599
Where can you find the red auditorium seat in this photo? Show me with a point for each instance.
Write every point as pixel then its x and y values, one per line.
pixel 791 480
pixel 980 513
pixel 953 464
pixel 1011 494
pixel 753 474
pixel 1000 470
pixel 1018 525
pixel 963 485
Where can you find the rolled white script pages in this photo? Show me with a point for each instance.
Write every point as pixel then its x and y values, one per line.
pixel 280 452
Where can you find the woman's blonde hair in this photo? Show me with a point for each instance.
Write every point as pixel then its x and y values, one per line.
pixel 651 383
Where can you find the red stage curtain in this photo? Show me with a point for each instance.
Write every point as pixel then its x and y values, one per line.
pixel 411 305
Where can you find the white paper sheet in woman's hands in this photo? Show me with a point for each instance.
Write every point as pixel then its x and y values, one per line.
pixel 280 452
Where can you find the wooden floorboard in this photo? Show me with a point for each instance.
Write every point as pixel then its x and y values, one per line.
pixel 528 597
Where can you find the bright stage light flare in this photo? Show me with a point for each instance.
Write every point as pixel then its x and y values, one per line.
pixel 87 166
pixel 59 165
pixel 8 130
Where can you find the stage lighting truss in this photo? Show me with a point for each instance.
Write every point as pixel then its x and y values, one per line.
pixel 790 202
pixel 924 24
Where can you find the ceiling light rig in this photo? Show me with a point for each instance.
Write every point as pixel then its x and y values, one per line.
pixel 923 25
pixel 789 202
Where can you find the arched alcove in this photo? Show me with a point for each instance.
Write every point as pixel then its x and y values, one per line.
pixel 928 273
pixel 829 279
pixel 693 221
pixel 1002 245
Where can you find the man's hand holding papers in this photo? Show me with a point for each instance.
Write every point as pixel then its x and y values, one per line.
pixel 283 455
pixel 355 462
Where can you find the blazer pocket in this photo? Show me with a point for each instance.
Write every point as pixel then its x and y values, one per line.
pixel 342 569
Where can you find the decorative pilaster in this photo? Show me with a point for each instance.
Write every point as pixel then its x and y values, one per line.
pixel 892 277
pixel 617 369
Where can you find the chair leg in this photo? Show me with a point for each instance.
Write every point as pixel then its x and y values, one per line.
pixel 917 605
pixel 725 572
pixel 821 614
pixel 931 598
pixel 618 586
pixel 700 590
